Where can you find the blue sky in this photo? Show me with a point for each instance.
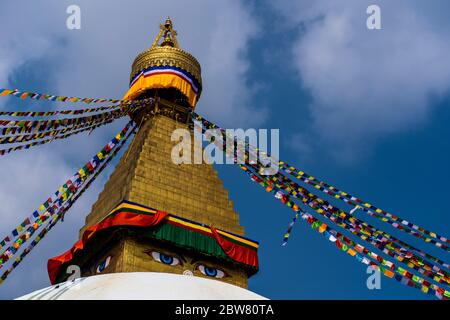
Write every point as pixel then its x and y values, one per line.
pixel 364 110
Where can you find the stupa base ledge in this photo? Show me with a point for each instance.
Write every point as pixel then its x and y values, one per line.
pixel 142 286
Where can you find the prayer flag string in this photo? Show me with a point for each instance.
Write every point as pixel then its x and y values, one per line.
pixel 395 221
pixel 364 231
pixel 208 124
pixel 63 210
pixel 378 238
pixel 57 112
pixel 50 97
pixel 30 126
pixel 90 125
pixel 357 227
pixel 41 142
pixel 24 231
pixel 123 105
pixel 46 125
pixel 289 229
pixel 437 274
pixel 356 250
pixel 52 133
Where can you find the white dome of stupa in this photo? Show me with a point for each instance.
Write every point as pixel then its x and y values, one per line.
pixel 142 286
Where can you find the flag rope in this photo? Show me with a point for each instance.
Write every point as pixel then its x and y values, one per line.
pixel 94 121
pixel 388 268
pixel 123 105
pixel 50 97
pixel 20 138
pixel 35 125
pixel 418 251
pixel 41 142
pixel 442 277
pixel 60 215
pixel 31 223
pixel 55 134
pixel 395 221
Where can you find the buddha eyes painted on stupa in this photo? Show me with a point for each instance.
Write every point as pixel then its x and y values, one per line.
pixel 165 258
pixel 211 272
pixel 189 265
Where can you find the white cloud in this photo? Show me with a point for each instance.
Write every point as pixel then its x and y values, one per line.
pixel 367 84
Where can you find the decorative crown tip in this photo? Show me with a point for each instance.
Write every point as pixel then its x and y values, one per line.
pixel 167 34
pixel 168 23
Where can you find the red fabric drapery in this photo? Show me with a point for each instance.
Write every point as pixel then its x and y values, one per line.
pixel 122 218
pixel 236 252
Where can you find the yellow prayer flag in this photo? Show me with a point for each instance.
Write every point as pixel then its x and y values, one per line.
pixel 322 228
pixel 388 273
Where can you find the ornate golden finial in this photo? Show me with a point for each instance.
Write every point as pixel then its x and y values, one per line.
pixel 165 52
pixel 168 34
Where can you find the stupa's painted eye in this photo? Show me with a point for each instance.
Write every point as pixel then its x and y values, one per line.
pixel 211 272
pixel 165 258
pixel 103 265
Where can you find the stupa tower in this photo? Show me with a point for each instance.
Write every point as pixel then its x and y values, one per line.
pixel 154 215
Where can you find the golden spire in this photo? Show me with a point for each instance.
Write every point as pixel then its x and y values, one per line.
pixel 148 178
pixel 165 52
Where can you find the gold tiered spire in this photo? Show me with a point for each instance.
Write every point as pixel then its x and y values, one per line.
pixel 163 56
